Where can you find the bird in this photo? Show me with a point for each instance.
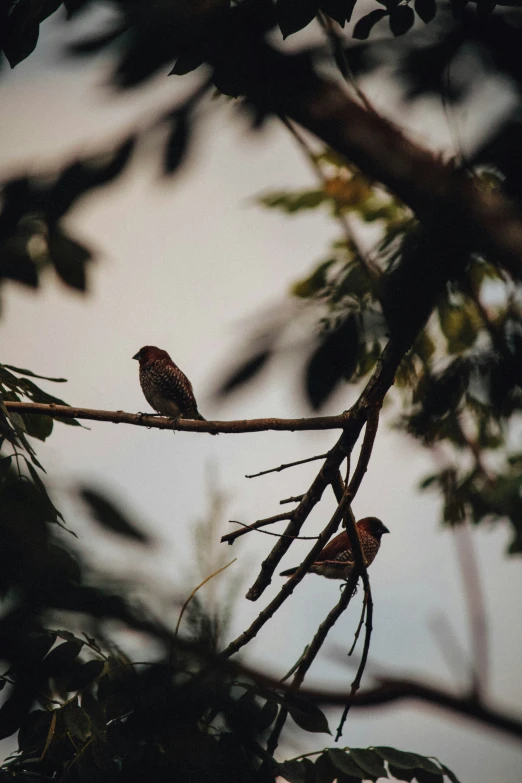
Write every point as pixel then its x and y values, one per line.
pixel 166 388
pixel 336 560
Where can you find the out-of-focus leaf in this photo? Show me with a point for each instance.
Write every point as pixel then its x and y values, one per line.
pixel 334 359
pixel 402 19
pixel 292 16
pixel 308 717
pixel 314 283
pixel 365 25
pixel 110 517
pixel 186 62
pixel 76 721
pixel 14 710
pixel 177 142
pixel 5 464
pixel 245 372
pixel 16 262
pixel 426 9
pixel 69 259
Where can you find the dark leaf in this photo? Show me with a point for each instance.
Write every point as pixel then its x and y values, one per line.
pixel 96 715
pixel 292 16
pixel 369 761
pixel 449 774
pixel 325 772
pixel 14 710
pixel 5 464
pixel 16 262
pixel 345 764
pixel 85 675
pixel 308 716
pixel 106 513
pixel 365 25
pixel 187 61
pixel 59 659
pixel 69 259
pixel 76 721
pixel 400 758
pixel 423 776
pixel 292 771
pixel 402 774
pixel 244 372
pixel 32 374
pixel 267 715
pixel 20 43
pixel 427 764
pixel 402 19
pixel 334 359
pixel 340 10
pixel 37 426
pixel 177 143
pixel 426 9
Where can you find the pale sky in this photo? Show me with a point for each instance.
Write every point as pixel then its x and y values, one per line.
pixel 188 265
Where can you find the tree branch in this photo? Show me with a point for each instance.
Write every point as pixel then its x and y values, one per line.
pixel 185 425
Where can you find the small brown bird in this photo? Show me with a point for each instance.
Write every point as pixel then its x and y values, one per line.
pixel 336 560
pixel 166 388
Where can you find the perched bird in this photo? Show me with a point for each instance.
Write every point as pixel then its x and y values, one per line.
pixel 166 388
pixel 336 560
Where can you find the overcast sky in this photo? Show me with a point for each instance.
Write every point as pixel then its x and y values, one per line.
pixel 189 265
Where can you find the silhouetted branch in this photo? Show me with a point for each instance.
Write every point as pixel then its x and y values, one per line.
pixel 296 499
pixel 287 465
pixel 231 537
pixel 152 421
pixel 259 529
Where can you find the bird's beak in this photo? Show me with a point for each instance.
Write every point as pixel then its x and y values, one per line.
pixel 136 356
pixel 384 529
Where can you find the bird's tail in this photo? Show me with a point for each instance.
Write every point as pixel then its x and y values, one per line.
pixel 288 572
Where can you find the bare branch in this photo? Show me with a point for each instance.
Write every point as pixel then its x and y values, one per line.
pixel 296 499
pixel 287 465
pixel 231 537
pixel 267 532
pixel 152 421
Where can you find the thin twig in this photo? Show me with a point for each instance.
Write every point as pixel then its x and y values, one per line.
pixel 285 466
pixel 295 499
pixel 269 533
pixel 231 537
pixel 358 631
pixel 356 684
pixel 195 590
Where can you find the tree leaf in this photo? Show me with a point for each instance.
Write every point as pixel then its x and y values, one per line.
pixel 292 771
pixel 343 761
pixel 423 776
pixel 365 25
pixel 32 374
pixel 400 758
pixel 16 262
pixel 308 716
pixel 334 359
pixel 58 659
pixel 402 19
pixel 69 259
pixel 369 761
pixel 451 775
pixel 38 426
pixel 340 10
pixel 86 674
pixel 426 10
pixel 402 774
pixel 76 721
pixel 177 142
pixel 110 517
pixel 292 16
pixel 245 372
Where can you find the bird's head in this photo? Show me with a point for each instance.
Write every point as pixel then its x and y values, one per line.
pixel 149 353
pixel 373 526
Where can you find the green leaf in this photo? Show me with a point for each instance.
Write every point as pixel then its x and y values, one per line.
pixel 292 771
pixel 401 773
pixel 423 776
pixel 344 763
pixel 37 425
pixel 325 772
pixel 308 716
pixel 32 374
pixel 293 16
pixel 110 517
pixel 400 758
pixel 76 721
pixel 369 761
pixel 365 25
pixel 451 775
